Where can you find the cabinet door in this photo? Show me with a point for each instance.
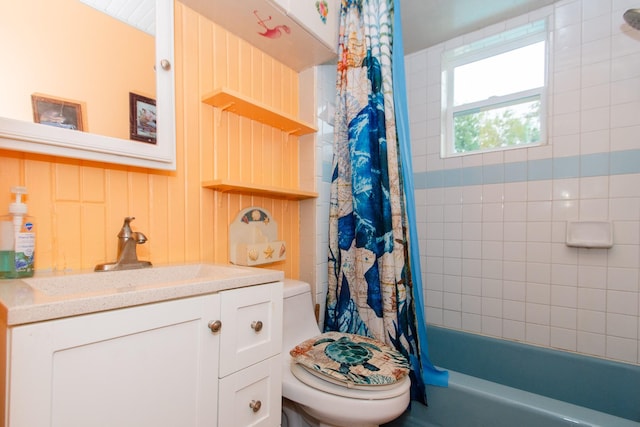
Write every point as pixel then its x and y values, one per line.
pixel 320 17
pixel 251 326
pixel 153 365
pixel 252 396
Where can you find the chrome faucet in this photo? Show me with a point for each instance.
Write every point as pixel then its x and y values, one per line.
pixel 127 258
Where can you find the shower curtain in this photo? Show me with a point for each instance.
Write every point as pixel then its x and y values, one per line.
pixel 374 270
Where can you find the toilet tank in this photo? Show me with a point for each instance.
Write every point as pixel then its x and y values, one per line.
pixel 299 321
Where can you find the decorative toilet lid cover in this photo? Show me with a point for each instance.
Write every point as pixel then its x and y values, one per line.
pixel 351 359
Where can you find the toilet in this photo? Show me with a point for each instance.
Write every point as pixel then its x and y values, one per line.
pixel 308 399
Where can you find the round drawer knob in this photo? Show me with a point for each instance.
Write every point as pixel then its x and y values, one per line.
pixel 215 326
pixel 256 325
pixel 255 405
pixel 165 64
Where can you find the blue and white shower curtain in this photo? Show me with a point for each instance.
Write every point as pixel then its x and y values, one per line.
pixel 372 286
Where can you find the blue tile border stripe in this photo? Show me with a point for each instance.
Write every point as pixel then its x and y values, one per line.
pixel 588 165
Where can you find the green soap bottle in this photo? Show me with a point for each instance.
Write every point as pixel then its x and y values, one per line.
pixel 17 239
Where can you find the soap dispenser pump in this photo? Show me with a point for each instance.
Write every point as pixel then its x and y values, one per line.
pixel 17 239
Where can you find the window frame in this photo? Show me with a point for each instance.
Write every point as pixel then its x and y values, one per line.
pixel 506 41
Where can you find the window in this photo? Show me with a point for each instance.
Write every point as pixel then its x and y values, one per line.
pixel 494 92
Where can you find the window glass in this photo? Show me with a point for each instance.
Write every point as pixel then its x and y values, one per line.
pixel 494 92
pixel 513 71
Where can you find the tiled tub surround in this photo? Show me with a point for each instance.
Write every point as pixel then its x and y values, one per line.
pixel 492 229
pixel 53 296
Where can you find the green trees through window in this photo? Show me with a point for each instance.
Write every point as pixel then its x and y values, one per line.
pixel 497 128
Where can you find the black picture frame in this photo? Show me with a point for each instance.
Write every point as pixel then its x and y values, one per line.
pixel 142 118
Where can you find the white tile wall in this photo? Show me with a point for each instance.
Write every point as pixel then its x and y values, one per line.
pixel 493 256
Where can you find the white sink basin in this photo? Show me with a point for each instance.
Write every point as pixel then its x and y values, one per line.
pixel 126 280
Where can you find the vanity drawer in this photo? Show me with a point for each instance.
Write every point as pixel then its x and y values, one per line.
pixel 251 326
pixel 252 397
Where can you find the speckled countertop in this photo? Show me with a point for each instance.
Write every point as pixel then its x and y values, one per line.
pixel 56 295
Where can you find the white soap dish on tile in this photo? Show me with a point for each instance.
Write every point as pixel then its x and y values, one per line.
pixel 589 234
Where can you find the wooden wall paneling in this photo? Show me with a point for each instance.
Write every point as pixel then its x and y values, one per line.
pixel 216 220
pixel 257 74
pixel 192 199
pixel 67 182
pixel 267 160
pixel 80 207
pixel 207 225
pixel 233 62
pixel 258 171
pixel 281 158
pixel 222 131
pixel 159 228
pixel 276 87
pixel 289 161
pixel 289 83
pixel 176 220
pixel 140 208
pixel 285 154
pixel 92 237
pixel 207 114
pixel 244 147
pixel 246 68
pixel 231 144
pixel 67 215
pixel 273 154
pixel 235 138
pixel 221 71
pixel 186 38
pixel 230 206
pixel 291 235
pixel 11 174
pixel 208 132
pixel 67 235
pixel 138 202
pixel 220 119
pixel 117 209
pixel 93 211
pixel 38 180
pixel 92 184
pixel 268 80
pixel 192 138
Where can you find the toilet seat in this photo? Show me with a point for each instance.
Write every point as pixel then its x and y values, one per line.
pixel 377 392
pixel 350 360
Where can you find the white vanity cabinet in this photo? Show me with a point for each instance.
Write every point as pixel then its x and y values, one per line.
pixel 152 365
pixel 319 17
pixel 155 365
pixel 250 365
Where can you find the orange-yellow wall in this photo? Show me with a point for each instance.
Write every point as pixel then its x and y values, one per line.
pixel 70 50
pixel 79 206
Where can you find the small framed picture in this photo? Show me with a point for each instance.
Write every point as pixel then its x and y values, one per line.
pixel 58 112
pixel 142 118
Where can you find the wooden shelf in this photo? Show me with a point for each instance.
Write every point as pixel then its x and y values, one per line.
pixel 229 100
pixel 228 186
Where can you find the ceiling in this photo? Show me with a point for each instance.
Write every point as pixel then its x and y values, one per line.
pixel 424 22
pixel 428 22
pixel 140 14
